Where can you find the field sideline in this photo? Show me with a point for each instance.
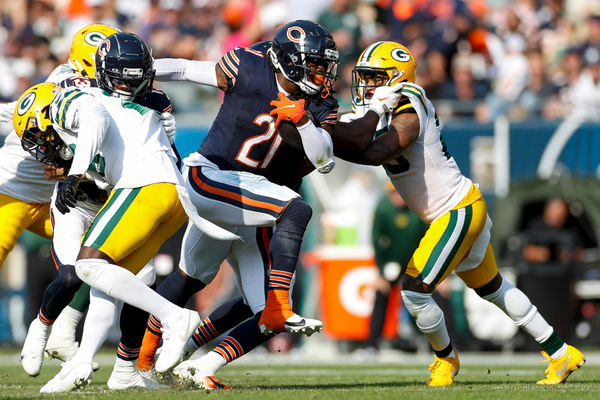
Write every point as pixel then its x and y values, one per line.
pixel 392 375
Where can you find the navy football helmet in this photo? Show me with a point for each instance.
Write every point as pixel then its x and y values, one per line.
pixel 306 54
pixel 124 66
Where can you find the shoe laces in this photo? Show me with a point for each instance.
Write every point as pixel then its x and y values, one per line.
pixel 548 360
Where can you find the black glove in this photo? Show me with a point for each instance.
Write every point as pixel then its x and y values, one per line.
pixel 65 198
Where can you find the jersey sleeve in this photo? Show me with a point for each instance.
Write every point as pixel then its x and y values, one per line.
pixel 404 106
pixel 325 111
pixel 159 101
pixel 62 110
pixel 230 64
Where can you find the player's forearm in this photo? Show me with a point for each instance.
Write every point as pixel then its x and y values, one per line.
pixel 94 123
pixel 318 146
pixel 180 69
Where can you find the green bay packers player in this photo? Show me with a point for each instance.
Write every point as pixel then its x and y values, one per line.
pixel 25 192
pixel 125 145
pixel 400 125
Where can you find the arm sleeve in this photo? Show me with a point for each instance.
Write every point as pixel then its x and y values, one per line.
pixel 318 146
pixel 90 136
pixel 180 69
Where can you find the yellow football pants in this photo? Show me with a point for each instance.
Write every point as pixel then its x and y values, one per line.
pixel 134 223
pixel 458 240
pixel 16 216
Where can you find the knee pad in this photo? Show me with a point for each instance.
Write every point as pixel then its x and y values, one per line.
pixel 68 277
pixel 513 302
pixel 295 217
pixel 87 269
pixel 427 314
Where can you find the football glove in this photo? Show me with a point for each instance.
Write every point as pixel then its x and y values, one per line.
pixel 385 99
pixel 287 110
pixel 65 197
pixel 167 120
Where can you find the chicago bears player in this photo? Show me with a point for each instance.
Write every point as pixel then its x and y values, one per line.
pixel 401 124
pixel 126 144
pixel 25 192
pixel 245 175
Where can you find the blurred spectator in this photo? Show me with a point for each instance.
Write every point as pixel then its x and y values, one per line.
pixel 549 238
pixel 540 98
pixel 585 92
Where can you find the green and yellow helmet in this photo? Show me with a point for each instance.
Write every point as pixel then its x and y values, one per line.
pixel 32 123
pixel 380 64
pixel 83 47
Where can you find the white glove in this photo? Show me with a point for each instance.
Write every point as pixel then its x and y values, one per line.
pixel 385 99
pixel 168 122
pixel 6 111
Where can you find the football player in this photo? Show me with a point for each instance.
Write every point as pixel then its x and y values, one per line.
pixel 247 174
pixel 403 134
pixel 25 195
pixel 123 145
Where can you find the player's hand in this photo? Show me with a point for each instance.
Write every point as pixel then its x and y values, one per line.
pixel 287 110
pixel 167 120
pixel 65 197
pixel 54 173
pixel 385 99
pixel 6 111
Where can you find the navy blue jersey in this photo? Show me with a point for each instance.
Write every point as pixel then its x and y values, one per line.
pixel 243 136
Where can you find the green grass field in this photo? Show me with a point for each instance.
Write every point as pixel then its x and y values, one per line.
pixel 481 377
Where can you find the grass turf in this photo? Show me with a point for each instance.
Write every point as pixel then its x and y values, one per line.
pixel 324 382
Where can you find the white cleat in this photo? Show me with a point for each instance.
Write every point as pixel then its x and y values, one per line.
pixel 202 376
pixel 297 324
pixel 176 332
pixel 125 375
pixel 32 355
pixel 60 348
pixel 73 375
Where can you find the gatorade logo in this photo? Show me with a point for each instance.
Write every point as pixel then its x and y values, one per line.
pixel 356 292
pixel 26 103
pixel 400 55
pixel 94 38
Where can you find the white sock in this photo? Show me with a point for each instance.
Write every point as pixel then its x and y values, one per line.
pixel 66 323
pixel 519 308
pixel 429 318
pixel 101 315
pixel 123 285
pixel 213 362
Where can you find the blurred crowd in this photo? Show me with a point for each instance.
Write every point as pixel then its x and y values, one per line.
pixel 523 58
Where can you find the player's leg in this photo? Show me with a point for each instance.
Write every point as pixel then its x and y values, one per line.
pixel 125 374
pixel 68 230
pixel 130 219
pixel 241 199
pixel 201 257
pixel 249 259
pixel 490 285
pixel 16 216
pixel 445 244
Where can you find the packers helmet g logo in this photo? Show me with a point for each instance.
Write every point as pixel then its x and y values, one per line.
pixel 26 103
pixel 400 55
pixel 94 38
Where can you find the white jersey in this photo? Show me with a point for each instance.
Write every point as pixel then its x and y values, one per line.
pixel 21 175
pixel 425 174
pixel 119 142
